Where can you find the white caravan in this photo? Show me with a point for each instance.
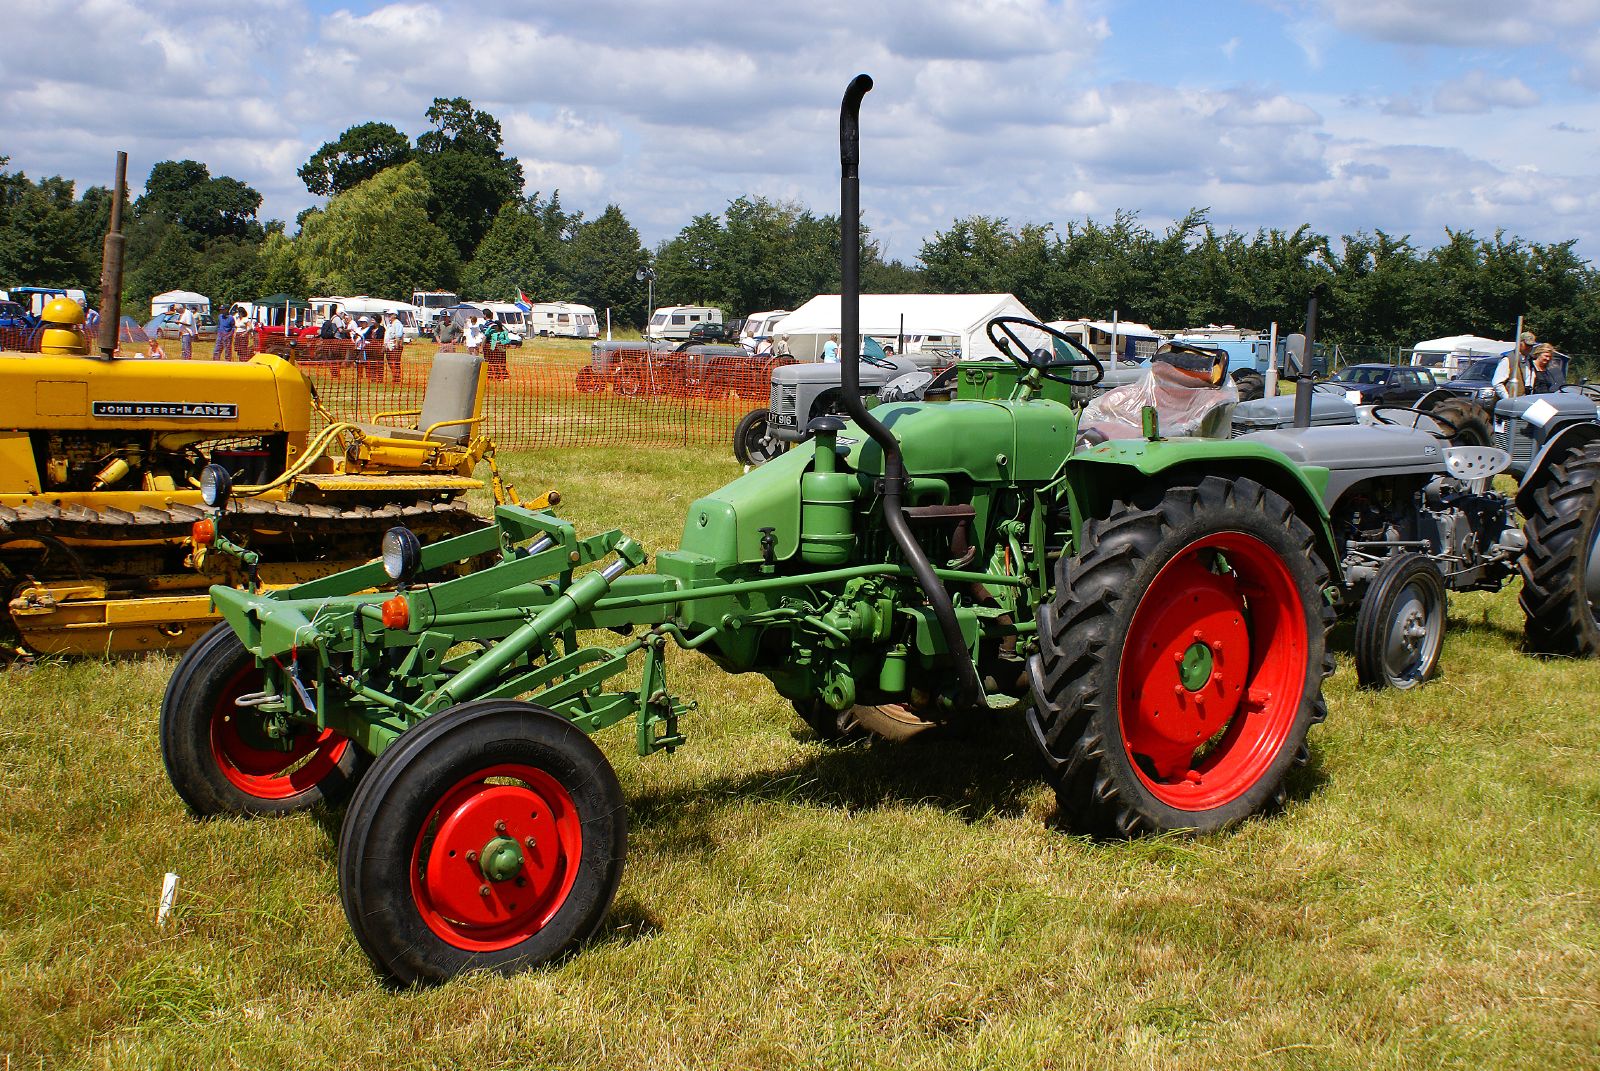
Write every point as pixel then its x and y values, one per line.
pixel 562 319
pixel 761 325
pixel 676 321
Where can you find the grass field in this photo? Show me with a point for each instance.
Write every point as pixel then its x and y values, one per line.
pixel 1429 898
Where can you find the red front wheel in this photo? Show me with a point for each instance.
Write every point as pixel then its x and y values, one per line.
pixel 1181 661
pixel 490 837
pixel 225 759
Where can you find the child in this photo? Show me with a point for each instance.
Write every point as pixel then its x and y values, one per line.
pixel 155 352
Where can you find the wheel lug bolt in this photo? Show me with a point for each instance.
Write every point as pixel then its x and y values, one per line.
pixel 483 890
pixel 530 843
pixel 500 826
pixel 472 857
pixel 1197 634
pixel 1177 656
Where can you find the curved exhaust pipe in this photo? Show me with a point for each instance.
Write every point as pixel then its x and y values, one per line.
pixel 970 691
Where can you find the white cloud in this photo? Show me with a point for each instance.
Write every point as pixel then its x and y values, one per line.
pixel 1463 22
pixel 1477 92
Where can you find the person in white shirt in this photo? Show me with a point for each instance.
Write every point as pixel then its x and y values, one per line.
pixel 188 327
pixel 1518 359
pixel 474 334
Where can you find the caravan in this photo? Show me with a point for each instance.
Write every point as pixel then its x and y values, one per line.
pixel 676 321
pixel 562 319
pixel 508 315
pixel 759 326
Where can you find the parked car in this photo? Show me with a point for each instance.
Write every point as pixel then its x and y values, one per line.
pixel 168 327
pixel 1382 384
pixel 1475 381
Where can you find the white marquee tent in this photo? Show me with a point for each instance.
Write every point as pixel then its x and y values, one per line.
pixel 956 320
pixel 183 298
pixel 1451 352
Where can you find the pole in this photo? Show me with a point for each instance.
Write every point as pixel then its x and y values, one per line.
pixel 111 266
pixel 1271 390
pixel 1114 354
pixel 1514 384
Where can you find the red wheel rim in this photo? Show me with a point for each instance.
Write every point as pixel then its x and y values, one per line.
pixel 456 898
pixel 1213 671
pixel 266 772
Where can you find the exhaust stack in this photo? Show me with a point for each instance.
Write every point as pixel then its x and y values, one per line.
pixel 1302 379
pixel 111 266
pixel 894 470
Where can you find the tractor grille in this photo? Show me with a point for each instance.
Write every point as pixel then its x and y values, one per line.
pixel 1512 437
pixel 781 409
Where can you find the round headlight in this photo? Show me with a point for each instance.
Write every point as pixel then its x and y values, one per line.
pixel 215 483
pixel 402 553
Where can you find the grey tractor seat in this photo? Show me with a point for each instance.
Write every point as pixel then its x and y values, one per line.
pixel 451 400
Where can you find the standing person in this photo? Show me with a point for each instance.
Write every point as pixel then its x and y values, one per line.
pixel 445 333
pixel 394 338
pixel 188 327
pixel 474 334
pixel 225 329
pixel 1548 374
pixel 1516 361
pixel 781 348
pixel 830 350
pixel 764 347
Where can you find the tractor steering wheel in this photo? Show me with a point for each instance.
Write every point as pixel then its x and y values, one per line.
pixel 1417 416
pixel 1042 360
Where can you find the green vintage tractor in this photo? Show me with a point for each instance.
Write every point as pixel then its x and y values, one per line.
pixel 1154 608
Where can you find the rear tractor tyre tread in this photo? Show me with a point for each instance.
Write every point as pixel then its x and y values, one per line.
pixel 1560 529
pixel 1474 426
pixel 1075 721
pixel 1251 385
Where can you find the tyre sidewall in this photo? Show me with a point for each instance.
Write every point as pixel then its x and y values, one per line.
pixel 409 780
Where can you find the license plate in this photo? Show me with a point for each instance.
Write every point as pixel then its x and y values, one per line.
pixel 782 420
pixel 1499 427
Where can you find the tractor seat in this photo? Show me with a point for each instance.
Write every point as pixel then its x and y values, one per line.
pixel 452 399
pixel 1186 404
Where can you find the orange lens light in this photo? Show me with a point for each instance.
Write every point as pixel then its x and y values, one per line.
pixel 204 532
pixel 396 612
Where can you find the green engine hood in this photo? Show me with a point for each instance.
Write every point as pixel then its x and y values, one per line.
pixel 989 441
pixel 725 526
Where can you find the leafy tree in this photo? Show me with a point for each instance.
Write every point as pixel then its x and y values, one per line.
pixel 355 156
pixel 377 239
pixel 184 193
pixel 603 258
pixel 524 250
pixel 42 232
pixel 470 178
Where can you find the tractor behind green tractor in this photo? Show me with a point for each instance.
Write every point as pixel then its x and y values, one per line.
pixel 1155 609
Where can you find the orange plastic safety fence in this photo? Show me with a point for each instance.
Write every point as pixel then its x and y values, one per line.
pixel 537 399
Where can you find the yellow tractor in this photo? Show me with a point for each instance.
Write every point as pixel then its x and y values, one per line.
pixel 100 458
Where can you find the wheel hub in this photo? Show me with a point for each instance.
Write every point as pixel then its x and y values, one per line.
pixel 500 859
pixel 1195 670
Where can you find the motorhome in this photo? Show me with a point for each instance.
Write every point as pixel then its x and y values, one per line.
pixel 562 319
pixel 1448 357
pixel 761 325
pixel 675 321
pixel 432 303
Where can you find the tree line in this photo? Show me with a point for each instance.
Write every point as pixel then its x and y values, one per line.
pixel 448 210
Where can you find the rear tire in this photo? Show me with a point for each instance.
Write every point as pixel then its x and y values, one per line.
pixel 1474 426
pixel 1251 385
pixel 219 757
pixel 1561 565
pixel 1151 618
pixel 1399 632
pixel 414 853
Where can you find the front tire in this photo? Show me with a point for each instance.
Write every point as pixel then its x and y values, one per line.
pixel 1561 565
pixel 753 442
pixel 490 837
pixel 1181 662
pixel 219 756
pixel 1252 385
pixel 1399 631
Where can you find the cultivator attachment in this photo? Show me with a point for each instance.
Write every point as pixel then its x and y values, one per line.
pixel 369 664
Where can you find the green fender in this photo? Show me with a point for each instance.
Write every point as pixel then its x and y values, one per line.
pixel 1114 470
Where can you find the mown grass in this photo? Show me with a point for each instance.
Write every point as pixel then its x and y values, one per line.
pixel 1429 898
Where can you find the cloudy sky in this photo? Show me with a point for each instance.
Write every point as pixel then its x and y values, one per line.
pixel 1405 115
